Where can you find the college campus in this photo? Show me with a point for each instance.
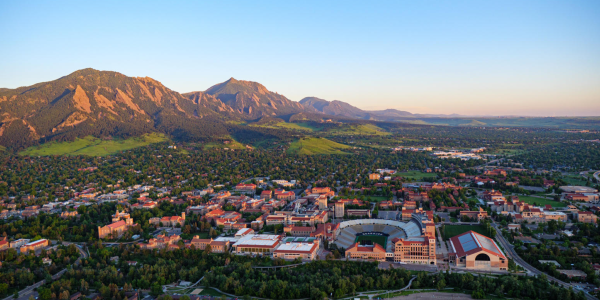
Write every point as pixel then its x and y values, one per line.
pixel 450 224
pixel 299 150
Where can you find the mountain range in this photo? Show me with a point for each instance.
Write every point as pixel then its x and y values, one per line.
pixel 106 103
pixel 103 103
pixel 340 108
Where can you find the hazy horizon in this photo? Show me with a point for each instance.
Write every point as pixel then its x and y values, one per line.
pixel 534 58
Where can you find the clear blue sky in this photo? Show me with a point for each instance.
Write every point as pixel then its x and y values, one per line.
pixel 470 57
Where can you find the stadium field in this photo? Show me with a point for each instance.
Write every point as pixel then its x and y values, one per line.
pixel 381 240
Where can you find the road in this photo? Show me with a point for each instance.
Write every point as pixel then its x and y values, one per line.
pixel 430 295
pixel 597 176
pixel 511 253
pixel 25 293
pixel 79 246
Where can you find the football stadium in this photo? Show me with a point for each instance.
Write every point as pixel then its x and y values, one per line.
pixel 376 231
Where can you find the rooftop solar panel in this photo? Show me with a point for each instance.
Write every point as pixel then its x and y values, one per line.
pixel 467 242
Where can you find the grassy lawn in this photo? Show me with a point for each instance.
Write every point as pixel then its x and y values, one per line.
pixel 454 230
pixel 376 198
pixel 93 146
pixel 381 240
pixel 310 146
pixel 574 180
pixel 542 202
pixel 415 175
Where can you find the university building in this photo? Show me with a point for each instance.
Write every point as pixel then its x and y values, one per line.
pixel 121 223
pixel 415 250
pixel 472 250
pixel 366 252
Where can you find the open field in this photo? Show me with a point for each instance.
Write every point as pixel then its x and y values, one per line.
pixel 285 125
pixel 362 129
pixel 381 240
pixel 93 146
pixel 310 146
pixel 376 198
pixel 454 230
pixel 415 174
pixel 574 179
pixel 232 144
pixel 542 202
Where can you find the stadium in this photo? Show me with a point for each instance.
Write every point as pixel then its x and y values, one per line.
pixel 382 232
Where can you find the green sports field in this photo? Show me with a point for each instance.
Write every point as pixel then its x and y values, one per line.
pixel 454 230
pixel 541 201
pixel 381 240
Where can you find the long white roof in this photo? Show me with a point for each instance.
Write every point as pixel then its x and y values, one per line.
pixel 268 240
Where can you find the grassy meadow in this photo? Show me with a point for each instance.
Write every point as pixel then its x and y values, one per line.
pixel 362 129
pixel 285 125
pixel 311 146
pixel 92 146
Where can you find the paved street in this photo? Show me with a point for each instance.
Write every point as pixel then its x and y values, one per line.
pixel 510 252
pixel 433 295
pixel 444 216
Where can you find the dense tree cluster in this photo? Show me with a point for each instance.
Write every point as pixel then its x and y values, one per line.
pixel 20 271
pixel 565 156
pixel 46 177
pixel 317 280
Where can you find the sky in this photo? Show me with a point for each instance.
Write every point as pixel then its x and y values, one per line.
pixel 509 57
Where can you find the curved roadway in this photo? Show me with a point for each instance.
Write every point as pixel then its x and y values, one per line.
pixel 511 253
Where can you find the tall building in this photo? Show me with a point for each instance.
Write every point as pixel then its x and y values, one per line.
pixel 339 209
pixel 322 203
pixel 415 250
